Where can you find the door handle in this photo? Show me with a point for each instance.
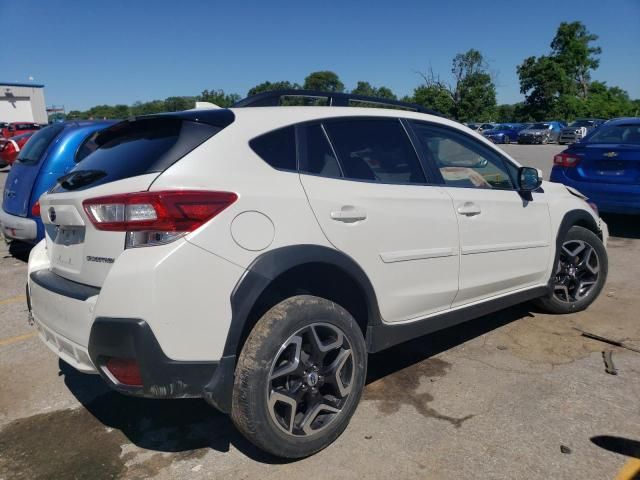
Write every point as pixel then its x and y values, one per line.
pixel 349 214
pixel 469 209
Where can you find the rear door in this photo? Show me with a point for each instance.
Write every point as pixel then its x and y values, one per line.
pixel 505 239
pixel 372 200
pixel 25 170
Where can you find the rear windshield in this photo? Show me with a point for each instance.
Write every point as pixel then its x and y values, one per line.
pixel 133 148
pixel 539 126
pixel 624 134
pixel 34 149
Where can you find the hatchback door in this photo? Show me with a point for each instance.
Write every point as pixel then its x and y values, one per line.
pixel 370 196
pixel 123 159
pixel 25 170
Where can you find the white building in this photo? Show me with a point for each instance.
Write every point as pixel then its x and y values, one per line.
pixel 22 102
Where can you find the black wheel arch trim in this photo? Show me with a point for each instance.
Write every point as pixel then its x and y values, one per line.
pixel 270 265
pixel 257 278
pixel 571 219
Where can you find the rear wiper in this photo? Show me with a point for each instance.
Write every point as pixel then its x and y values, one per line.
pixel 80 178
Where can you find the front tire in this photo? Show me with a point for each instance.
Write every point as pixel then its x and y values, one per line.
pixel 579 275
pixel 506 139
pixel 299 377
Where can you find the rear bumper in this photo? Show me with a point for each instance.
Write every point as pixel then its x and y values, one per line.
pixel 609 197
pixel 18 228
pixel 68 330
pixel 142 313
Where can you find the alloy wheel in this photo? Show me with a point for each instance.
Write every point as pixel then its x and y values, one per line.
pixel 310 379
pixel 577 272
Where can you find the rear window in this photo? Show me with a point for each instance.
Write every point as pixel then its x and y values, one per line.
pixel 621 133
pixel 133 148
pixel 34 149
pixel 277 148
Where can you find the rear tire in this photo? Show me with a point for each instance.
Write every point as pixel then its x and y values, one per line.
pixel 299 377
pixel 506 139
pixel 579 275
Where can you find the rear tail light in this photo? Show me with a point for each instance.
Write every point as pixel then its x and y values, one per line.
pixel 152 218
pixel 125 371
pixel 35 210
pixel 566 160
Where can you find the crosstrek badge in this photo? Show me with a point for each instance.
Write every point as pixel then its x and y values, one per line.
pixel 91 258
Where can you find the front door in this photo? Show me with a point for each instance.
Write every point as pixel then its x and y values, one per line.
pixel 505 238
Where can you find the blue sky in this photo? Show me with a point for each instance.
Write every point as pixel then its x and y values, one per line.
pixel 94 52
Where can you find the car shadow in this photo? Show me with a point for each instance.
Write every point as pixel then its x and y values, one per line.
pixel 622 226
pixel 20 250
pixel 190 424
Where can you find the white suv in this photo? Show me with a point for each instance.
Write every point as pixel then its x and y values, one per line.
pixel 255 256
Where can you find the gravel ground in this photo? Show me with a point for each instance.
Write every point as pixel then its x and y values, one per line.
pixel 517 395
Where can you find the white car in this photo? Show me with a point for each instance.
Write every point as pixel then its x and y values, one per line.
pixel 254 256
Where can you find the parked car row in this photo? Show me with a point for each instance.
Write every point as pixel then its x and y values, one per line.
pixel 538 132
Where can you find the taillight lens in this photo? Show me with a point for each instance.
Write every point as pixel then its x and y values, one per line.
pixel 35 210
pixel 566 160
pixel 152 218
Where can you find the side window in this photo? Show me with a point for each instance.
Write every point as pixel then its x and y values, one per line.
pixel 375 150
pixel 277 148
pixel 462 161
pixel 319 158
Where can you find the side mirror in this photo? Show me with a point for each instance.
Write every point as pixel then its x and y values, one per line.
pixel 529 179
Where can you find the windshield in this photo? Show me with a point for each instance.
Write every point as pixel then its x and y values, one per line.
pixel 37 145
pixel 582 123
pixel 626 134
pixel 539 126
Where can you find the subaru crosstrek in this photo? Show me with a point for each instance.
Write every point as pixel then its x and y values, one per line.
pixel 255 256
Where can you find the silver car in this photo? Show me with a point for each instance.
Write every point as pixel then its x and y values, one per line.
pixel 540 132
pixel 578 129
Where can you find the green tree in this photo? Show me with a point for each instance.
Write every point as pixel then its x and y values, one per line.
pixel 270 86
pixel 120 111
pixel 219 97
pixel 365 88
pixel 177 104
pixel 555 84
pixel 505 113
pixel 435 97
pixel 147 108
pixel 324 80
pixel 572 49
pixel 472 95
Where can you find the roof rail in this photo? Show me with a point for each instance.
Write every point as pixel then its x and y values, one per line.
pixel 273 98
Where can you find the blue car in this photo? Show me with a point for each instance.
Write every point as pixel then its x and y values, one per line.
pixel 503 132
pixel 49 154
pixel 605 166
